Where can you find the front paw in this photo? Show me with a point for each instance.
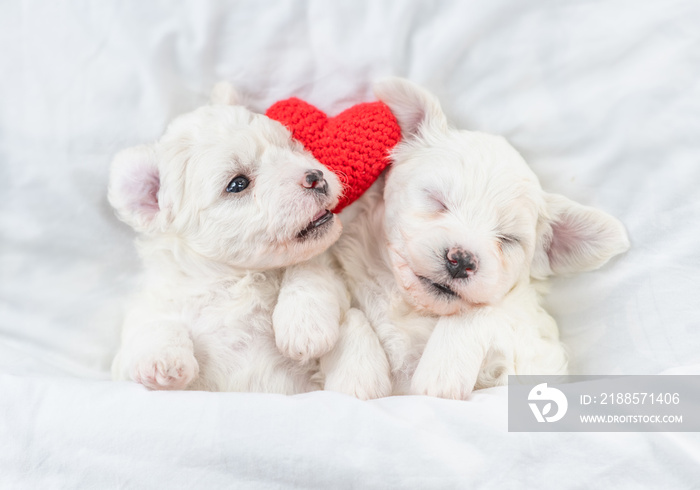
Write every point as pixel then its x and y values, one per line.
pixel 376 386
pixel 305 332
pixel 169 369
pixel 362 381
pixel 442 383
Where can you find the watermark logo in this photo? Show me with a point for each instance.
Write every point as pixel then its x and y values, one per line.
pixel 620 403
pixel 543 393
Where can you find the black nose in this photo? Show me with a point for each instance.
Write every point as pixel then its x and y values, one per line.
pixel 460 263
pixel 313 179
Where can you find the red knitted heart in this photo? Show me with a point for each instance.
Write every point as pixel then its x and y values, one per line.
pixel 355 144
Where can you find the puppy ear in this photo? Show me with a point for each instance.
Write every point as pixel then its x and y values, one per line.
pixel 133 187
pixel 575 238
pixel 416 109
pixel 223 93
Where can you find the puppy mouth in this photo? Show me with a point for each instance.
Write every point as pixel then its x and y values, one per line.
pixel 318 225
pixel 440 290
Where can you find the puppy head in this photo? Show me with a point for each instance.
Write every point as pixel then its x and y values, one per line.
pixel 230 185
pixel 466 218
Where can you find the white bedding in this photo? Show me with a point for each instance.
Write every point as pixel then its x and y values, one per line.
pixel 602 98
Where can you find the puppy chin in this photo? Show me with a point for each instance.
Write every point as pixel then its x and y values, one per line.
pixel 301 249
pixel 314 244
pixel 416 292
pixel 428 303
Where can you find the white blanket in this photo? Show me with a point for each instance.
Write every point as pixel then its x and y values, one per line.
pixel 602 98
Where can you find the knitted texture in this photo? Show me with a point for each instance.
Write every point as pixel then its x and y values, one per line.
pixel 355 144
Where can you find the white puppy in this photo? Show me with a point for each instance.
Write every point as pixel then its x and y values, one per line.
pixel 447 260
pixel 226 202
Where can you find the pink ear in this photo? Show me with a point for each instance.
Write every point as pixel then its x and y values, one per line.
pixel 575 238
pixel 133 187
pixel 414 107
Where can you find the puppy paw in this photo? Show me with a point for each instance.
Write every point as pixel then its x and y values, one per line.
pixel 305 332
pixel 358 365
pixel 441 383
pixel 170 369
pixel 360 383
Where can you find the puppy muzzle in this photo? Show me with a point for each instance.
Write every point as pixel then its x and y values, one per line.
pixel 460 264
pixel 314 181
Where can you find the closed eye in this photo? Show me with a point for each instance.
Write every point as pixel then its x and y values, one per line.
pixel 436 202
pixel 508 239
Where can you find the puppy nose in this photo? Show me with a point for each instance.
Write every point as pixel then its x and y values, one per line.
pixel 313 179
pixel 460 263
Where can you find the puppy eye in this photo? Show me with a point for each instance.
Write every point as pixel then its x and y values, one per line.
pixel 238 184
pixel 437 203
pixel 508 239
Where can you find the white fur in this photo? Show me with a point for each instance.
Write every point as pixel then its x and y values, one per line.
pixel 311 303
pixel 450 190
pixel 357 365
pixel 216 262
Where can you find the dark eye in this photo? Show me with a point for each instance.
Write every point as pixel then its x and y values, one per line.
pixel 238 184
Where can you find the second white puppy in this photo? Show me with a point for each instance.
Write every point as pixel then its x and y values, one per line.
pixel 447 262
